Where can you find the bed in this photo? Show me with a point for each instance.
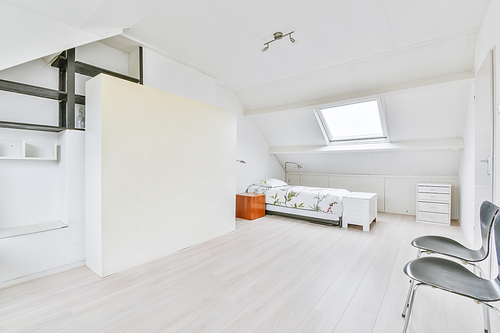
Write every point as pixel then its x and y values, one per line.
pixel 323 205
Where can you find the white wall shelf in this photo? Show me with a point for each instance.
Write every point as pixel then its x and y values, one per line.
pixel 21 150
pixel 31 229
pixel 32 127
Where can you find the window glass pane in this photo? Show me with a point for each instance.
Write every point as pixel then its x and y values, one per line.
pixel 353 121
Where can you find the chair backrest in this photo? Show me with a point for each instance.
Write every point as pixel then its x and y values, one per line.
pixel 487 214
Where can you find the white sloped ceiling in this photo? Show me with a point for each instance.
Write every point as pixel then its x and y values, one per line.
pixel 345 50
pixel 27 36
pixel 423 114
pixel 34 29
pixel 224 37
pixel 439 58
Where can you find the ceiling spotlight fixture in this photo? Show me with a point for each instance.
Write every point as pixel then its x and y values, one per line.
pixel 277 36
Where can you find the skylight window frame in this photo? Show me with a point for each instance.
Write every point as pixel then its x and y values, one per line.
pixel 354 139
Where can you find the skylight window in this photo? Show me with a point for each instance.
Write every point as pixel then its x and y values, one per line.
pixel 355 121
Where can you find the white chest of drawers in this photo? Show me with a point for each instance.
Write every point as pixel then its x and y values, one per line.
pixel 434 203
pixel 359 209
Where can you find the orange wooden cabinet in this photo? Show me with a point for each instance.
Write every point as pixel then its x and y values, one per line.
pixel 250 206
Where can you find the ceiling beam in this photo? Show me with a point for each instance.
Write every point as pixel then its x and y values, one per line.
pixel 377 92
pixel 440 144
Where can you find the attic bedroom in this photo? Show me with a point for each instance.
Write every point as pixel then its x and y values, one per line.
pixel 155 158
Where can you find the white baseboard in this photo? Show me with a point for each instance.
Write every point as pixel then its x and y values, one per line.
pixel 30 277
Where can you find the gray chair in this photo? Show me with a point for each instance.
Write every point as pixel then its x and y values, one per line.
pixel 453 277
pixel 451 248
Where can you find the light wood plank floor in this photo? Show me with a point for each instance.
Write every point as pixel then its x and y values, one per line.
pixel 273 274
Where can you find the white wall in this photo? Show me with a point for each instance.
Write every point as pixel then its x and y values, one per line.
pixel 72 193
pixel 23 108
pixel 26 183
pixel 42 191
pixel 103 56
pixel 168 75
pixel 466 179
pixel 165 172
pixel 251 147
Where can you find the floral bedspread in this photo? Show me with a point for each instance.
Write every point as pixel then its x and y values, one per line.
pixel 326 200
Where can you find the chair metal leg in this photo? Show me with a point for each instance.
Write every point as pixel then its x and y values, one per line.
pixel 410 306
pixel 487 327
pixel 486 314
pixel 486 319
pixel 486 307
pixel 492 307
pixel 403 314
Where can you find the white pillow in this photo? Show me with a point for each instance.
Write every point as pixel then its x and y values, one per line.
pixel 270 182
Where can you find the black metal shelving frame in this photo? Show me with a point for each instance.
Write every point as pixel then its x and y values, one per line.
pixel 68 68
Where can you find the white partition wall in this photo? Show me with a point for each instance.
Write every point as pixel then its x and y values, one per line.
pixel 160 173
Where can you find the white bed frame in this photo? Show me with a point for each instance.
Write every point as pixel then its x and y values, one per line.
pixel 313 216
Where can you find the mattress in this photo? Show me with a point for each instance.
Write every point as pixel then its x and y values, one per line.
pixel 324 200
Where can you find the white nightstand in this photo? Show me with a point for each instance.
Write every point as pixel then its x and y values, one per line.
pixel 360 209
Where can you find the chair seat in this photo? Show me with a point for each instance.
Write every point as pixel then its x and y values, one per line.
pixel 447 246
pixel 452 277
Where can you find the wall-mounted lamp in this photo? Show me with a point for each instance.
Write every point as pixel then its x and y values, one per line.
pixel 278 36
pixel 241 161
pixel 298 165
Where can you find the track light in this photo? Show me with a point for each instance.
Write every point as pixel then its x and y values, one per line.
pixel 277 36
